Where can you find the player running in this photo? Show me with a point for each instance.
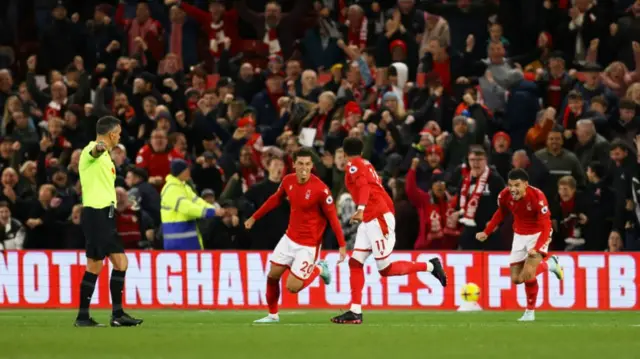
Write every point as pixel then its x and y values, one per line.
pixel 376 232
pixel 311 207
pixel 531 235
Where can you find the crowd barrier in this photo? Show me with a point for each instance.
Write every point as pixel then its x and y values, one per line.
pixel 236 280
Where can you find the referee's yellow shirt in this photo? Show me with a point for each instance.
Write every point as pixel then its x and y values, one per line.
pixel 97 177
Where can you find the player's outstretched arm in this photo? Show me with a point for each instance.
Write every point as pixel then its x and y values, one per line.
pixel 271 203
pixel 496 219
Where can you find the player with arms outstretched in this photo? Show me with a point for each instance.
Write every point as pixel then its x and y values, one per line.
pixel 376 232
pixel 298 250
pixel 531 235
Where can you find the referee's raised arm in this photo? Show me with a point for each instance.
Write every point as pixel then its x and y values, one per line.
pixel 97 178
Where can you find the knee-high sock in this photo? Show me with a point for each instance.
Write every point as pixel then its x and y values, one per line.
pixel 273 294
pixel 115 287
pixel 314 275
pixel 87 287
pixel 542 267
pixel 531 289
pixel 402 268
pixel 356 279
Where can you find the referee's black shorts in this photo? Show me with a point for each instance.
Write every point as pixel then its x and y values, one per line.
pixel 100 233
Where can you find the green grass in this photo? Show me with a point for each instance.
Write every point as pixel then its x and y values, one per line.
pixel 170 334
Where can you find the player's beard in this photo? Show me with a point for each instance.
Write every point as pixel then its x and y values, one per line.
pixel 303 176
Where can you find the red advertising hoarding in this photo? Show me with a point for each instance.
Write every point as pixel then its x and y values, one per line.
pixel 236 280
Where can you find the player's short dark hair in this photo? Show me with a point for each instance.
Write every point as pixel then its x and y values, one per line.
pixel 303 152
pixel 518 174
pixel 353 146
pixel 477 150
pixel 106 125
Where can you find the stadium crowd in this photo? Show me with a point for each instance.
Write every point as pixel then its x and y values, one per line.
pixel 448 96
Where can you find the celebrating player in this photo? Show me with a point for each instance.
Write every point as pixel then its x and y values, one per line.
pixel 311 207
pixel 376 232
pixel 531 235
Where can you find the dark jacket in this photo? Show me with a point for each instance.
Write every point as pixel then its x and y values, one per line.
pixel 521 110
pixel 266 233
pixel 595 150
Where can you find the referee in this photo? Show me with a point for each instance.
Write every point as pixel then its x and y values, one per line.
pixel 97 177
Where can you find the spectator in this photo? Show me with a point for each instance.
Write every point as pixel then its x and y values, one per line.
pixel 143 194
pixel 207 173
pixel 439 227
pixel 6 87
pixel 156 156
pixel 226 232
pixel 436 28
pixel 43 229
pixel 478 198
pixel 143 33
pixel 62 41
pixel 134 227
pixel 266 234
pixel 536 137
pixel 559 161
pixel 500 157
pixel 590 146
pixel 13 235
pixel 600 208
pixel 629 125
pixel 275 29
pixel 570 217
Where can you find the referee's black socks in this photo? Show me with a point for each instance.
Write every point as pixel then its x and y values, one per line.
pixel 115 286
pixel 87 286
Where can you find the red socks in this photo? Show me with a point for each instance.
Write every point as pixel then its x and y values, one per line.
pixel 314 274
pixel 531 289
pixel 273 294
pixel 356 279
pixel 403 267
pixel 542 267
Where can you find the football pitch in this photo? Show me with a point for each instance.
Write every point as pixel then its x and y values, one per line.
pixel 308 334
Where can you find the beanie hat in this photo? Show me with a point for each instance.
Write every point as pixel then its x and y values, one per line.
pixel 178 166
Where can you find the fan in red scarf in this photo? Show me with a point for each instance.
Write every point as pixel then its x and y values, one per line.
pixel 144 32
pixel 217 23
pixel 572 217
pixel 357 27
pixel 272 15
pixel 439 228
pixel 531 238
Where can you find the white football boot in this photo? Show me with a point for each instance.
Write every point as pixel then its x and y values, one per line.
pixel 269 319
pixel 528 316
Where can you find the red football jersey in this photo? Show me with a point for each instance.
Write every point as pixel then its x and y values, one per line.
pixel 311 206
pixel 530 214
pixel 365 187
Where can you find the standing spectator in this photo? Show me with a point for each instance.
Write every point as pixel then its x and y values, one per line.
pixel 478 200
pixel 536 137
pixel 266 234
pixel 142 32
pixel 570 217
pixel 500 157
pixel 207 174
pixel 266 101
pixel 439 228
pixel 555 82
pixel 436 28
pixel 218 24
pixel 13 234
pixel 590 146
pixel 156 156
pixel 134 227
pixel 144 195
pixel 522 107
pixel 629 125
pixel 275 29
pixel 43 230
pixel 62 41
pixel 560 162
pixel 600 212
pixel 585 24
pixel 6 87
pixel 624 32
